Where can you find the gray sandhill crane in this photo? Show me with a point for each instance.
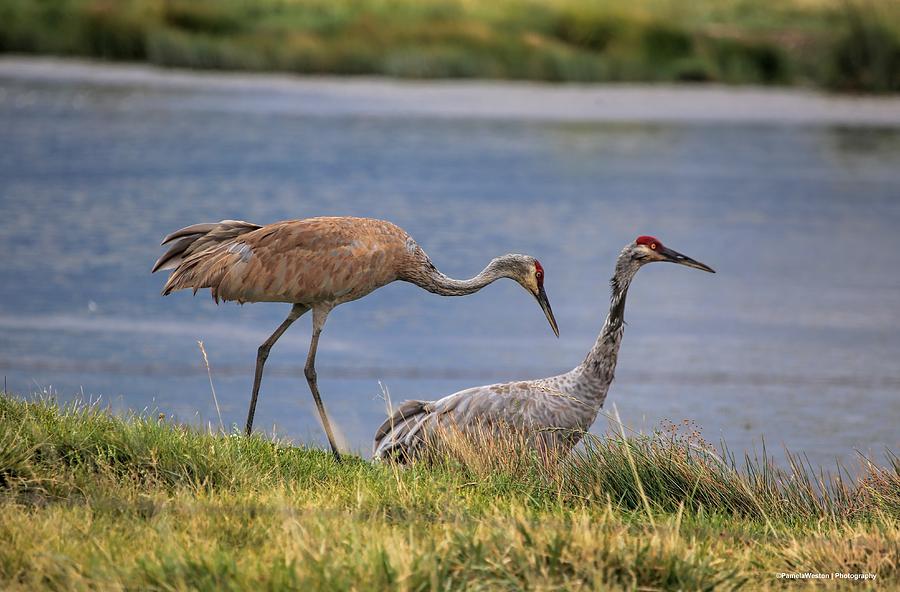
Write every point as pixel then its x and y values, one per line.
pixel 551 412
pixel 316 264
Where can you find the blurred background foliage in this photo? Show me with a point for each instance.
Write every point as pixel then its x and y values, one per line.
pixel 847 45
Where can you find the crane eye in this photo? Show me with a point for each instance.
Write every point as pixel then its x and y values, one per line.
pixel 539 274
pixel 653 246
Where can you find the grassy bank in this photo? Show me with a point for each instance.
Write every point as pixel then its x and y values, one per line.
pixel 838 44
pixel 94 501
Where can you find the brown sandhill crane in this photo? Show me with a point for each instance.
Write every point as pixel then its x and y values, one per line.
pixel 553 413
pixel 316 264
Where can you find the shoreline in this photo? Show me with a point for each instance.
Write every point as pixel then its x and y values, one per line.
pixel 477 99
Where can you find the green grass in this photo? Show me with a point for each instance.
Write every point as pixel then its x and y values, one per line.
pixel 94 501
pixel 851 45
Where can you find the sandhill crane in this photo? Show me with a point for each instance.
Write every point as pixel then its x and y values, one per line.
pixel 552 412
pixel 316 264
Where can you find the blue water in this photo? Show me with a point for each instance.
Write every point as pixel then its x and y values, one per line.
pixel 796 340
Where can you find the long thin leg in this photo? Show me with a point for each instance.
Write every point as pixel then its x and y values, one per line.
pixel 319 316
pixel 263 353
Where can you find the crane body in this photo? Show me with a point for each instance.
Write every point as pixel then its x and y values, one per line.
pixel 316 264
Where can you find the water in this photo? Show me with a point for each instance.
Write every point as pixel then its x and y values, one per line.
pixel 796 340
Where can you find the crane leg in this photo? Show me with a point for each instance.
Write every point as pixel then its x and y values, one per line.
pixel 263 353
pixel 319 316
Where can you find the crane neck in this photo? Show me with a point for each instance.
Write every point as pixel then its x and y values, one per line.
pixel 429 278
pixel 598 368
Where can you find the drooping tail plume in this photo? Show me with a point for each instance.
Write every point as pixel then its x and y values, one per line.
pixel 400 437
pixel 196 240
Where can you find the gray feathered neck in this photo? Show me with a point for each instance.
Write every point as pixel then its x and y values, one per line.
pixel 424 274
pixel 597 370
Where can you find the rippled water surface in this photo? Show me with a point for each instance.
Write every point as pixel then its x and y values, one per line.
pixel 796 340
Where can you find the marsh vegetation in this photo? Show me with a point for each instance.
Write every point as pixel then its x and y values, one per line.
pixel 851 46
pixel 91 500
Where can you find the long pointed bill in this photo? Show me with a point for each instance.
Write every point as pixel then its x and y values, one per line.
pixel 675 257
pixel 545 306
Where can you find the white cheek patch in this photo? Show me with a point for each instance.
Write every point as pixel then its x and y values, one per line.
pixel 647 252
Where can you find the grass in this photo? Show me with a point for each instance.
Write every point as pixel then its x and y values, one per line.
pixel 851 45
pixel 94 501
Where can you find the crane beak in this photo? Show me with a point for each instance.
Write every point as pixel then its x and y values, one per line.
pixel 545 306
pixel 673 256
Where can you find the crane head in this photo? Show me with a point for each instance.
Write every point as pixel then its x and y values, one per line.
pixel 528 273
pixel 648 249
pixel 541 296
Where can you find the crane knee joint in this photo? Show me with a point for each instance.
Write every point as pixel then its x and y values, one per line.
pixel 310 373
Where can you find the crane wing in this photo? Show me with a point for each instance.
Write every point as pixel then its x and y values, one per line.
pixel 531 406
